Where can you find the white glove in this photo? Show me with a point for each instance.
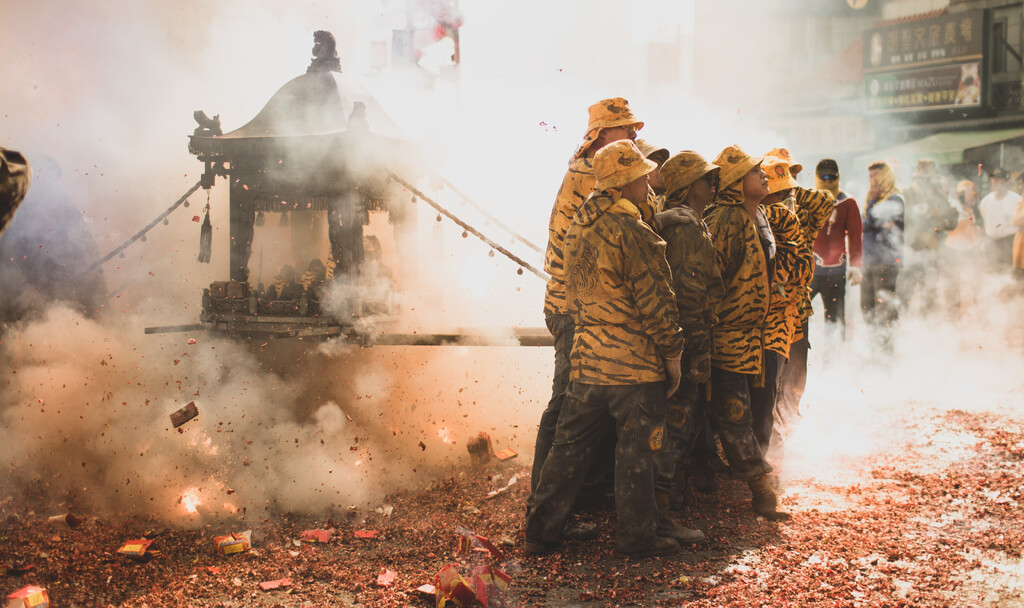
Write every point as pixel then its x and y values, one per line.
pixel 673 374
pixel 853 275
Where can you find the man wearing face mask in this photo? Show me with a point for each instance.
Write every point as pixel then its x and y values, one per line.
pixel 610 120
pixel 791 270
pixel 744 248
pixel 837 254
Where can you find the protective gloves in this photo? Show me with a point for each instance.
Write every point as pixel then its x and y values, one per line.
pixel 673 374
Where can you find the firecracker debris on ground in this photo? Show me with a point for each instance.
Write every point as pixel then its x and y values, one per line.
pixel 904 535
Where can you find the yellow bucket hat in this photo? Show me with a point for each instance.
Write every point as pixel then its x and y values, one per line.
pixel 607 113
pixel 735 163
pixel 620 163
pixel 779 176
pixel 683 169
pixel 651 152
pixel 784 154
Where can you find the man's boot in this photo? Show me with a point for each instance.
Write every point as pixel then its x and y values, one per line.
pixel 669 528
pixel 764 500
pixel 661 546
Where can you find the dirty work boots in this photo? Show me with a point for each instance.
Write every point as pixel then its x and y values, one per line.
pixel 669 528
pixel 764 501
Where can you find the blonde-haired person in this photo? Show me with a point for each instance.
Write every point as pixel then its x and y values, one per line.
pixel 744 249
pixel 883 254
pixel 625 358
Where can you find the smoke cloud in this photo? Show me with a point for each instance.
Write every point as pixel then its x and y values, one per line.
pixel 107 91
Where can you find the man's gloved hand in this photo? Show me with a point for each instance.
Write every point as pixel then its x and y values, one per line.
pixel 673 374
pixel 700 368
pixel 853 275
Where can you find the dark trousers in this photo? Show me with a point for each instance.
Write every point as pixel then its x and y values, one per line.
pixel 730 417
pixel 639 413
pixel 685 417
pixel 792 381
pixel 762 400
pixel 831 286
pixel 563 329
pixel 879 304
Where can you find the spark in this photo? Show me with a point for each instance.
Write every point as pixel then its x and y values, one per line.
pixel 190 500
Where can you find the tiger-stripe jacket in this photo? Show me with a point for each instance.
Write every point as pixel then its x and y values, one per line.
pixel 738 338
pixel 577 185
pixel 619 289
pixel 792 270
pixel 813 208
pixel 695 275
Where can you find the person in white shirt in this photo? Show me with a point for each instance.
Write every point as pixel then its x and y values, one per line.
pixel 997 213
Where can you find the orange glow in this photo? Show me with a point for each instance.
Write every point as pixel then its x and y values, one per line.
pixel 445 435
pixel 190 500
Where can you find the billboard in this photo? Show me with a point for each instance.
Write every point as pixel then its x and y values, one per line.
pixel 924 64
pixel 930 88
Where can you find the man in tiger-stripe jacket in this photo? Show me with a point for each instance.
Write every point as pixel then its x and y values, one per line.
pixel 792 268
pixel 814 208
pixel 744 248
pixel 690 184
pixel 610 120
pixel 627 344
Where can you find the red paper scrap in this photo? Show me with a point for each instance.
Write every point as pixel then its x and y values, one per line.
pixel 426 590
pixel 386 577
pixel 281 582
pixel 365 533
pixel 29 597
pixel 135 548
pixel 317 536
pixel 452 586
pixel 506 454
pixel 490 584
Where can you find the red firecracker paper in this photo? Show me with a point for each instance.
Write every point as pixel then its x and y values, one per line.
pixel 386 577
pixel 317 536
pixel 29 597
pixel 281 582
pixel 233 543
pixel 491 585
pixel 451 586
pixel 135 548
pixel 365 533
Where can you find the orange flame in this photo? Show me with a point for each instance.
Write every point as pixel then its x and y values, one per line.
pixel 190 500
